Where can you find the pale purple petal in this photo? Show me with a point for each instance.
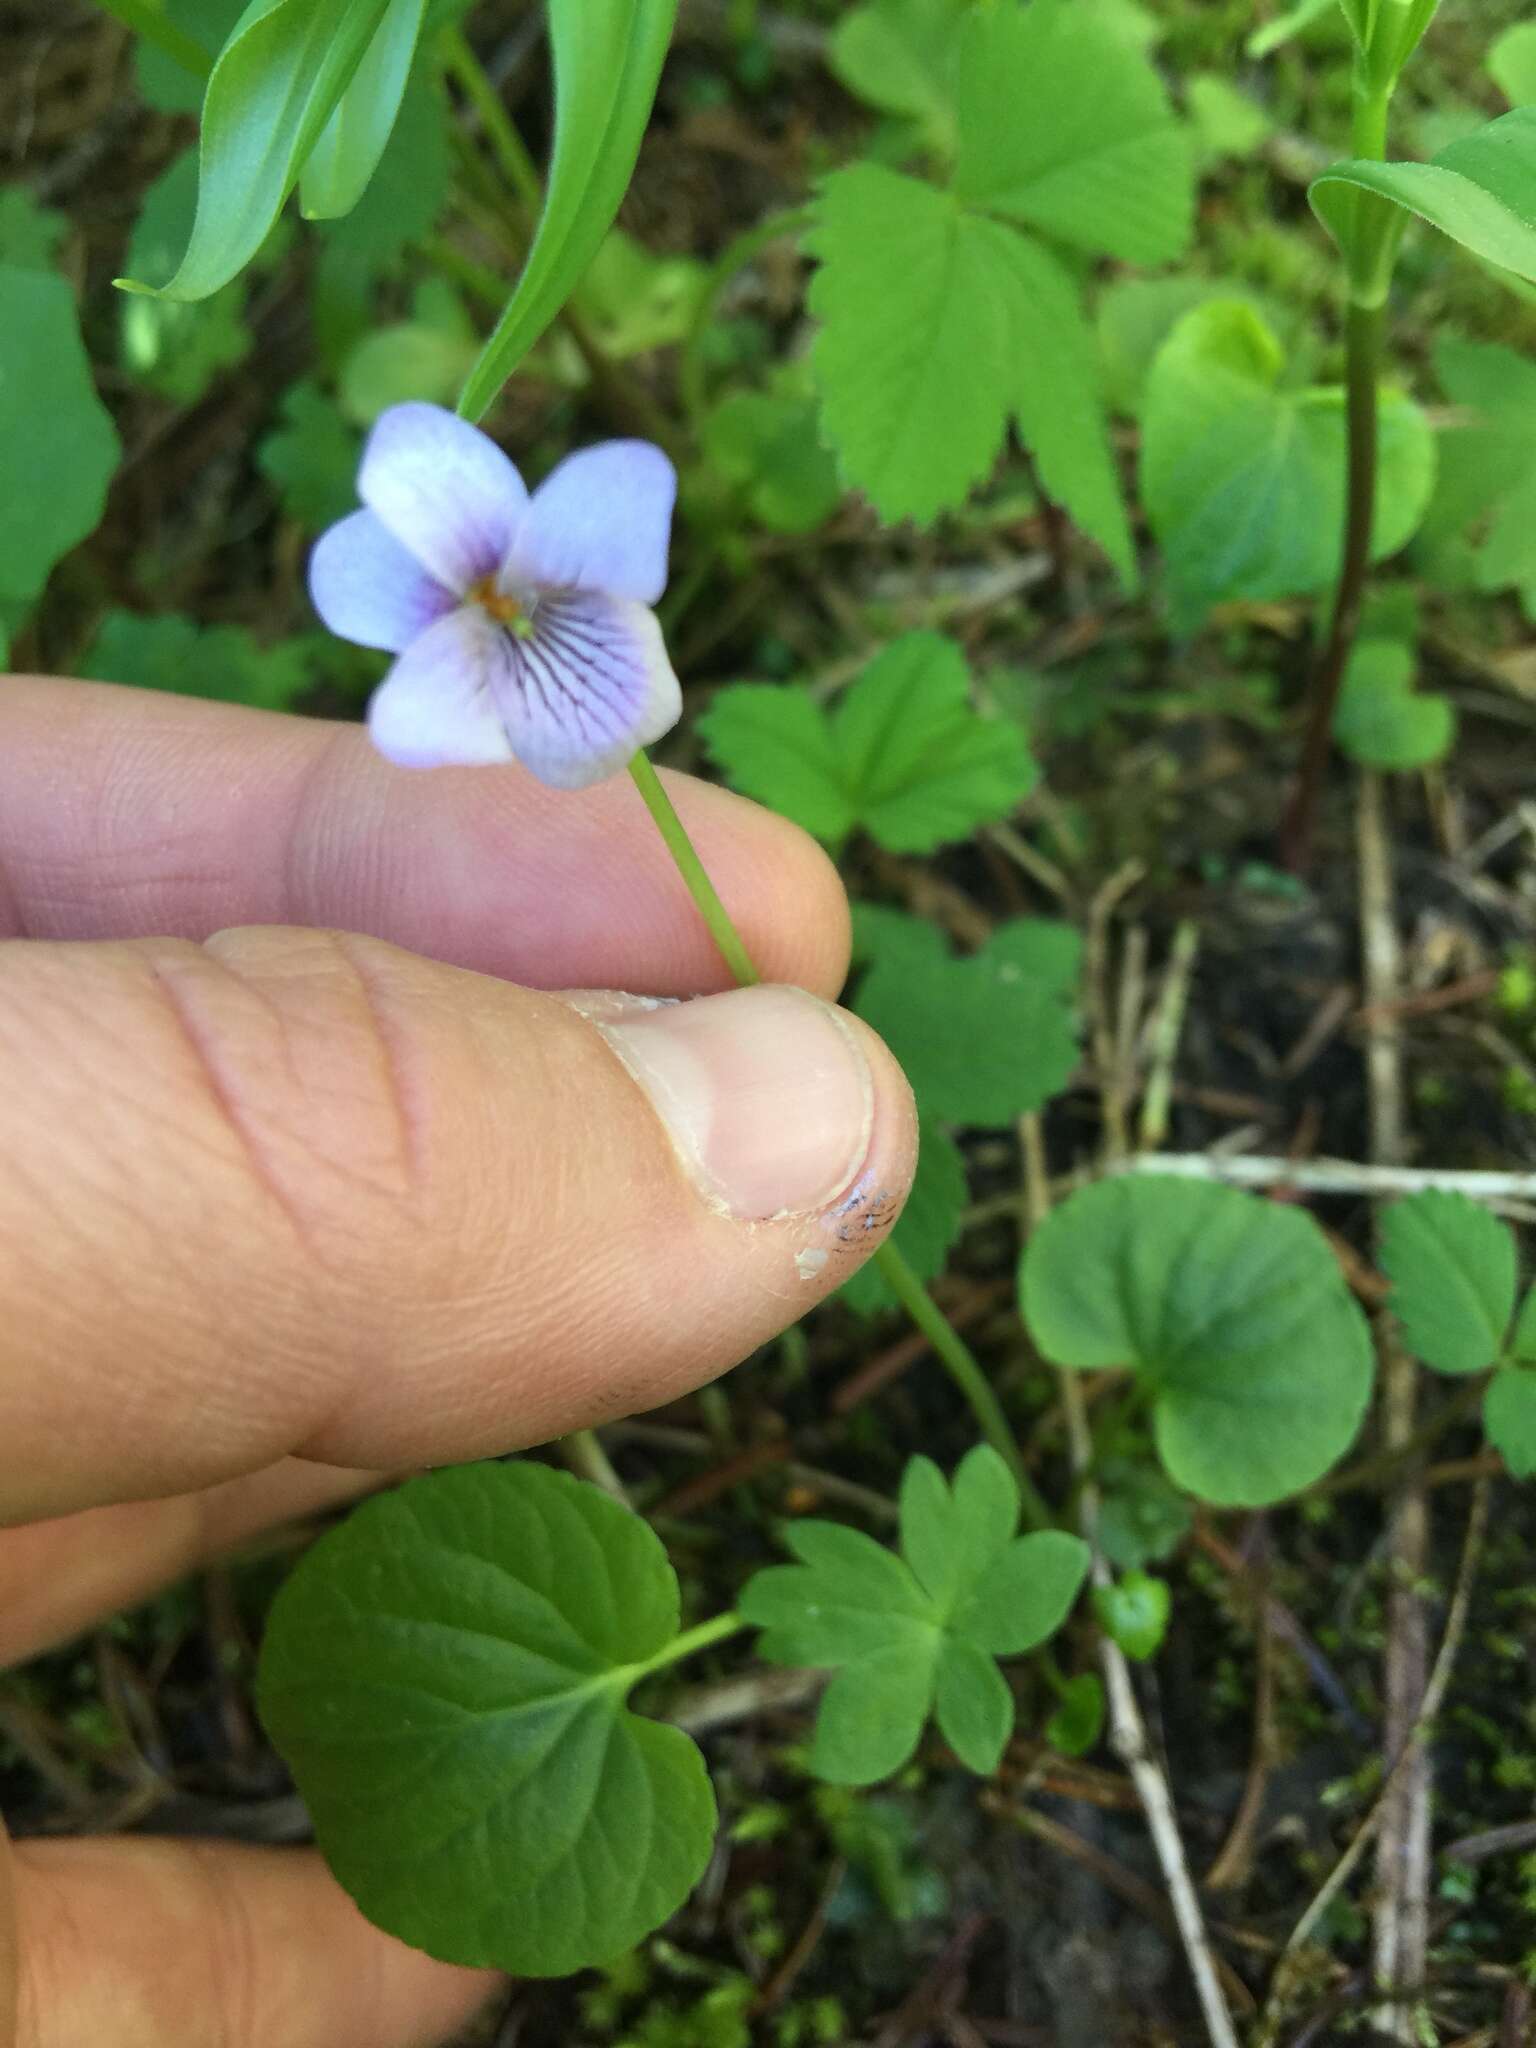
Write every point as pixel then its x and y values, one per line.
pixel 587 689
pixel 368 589
pixel 445 491
pixel 600 521
pixel 434 709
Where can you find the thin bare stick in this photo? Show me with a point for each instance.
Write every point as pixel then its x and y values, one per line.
pixel 1400 1910
pixel 1127 1730
pixel 1235 1860
pixel 1167 1024
pixel 1286 1970
pixel 1110 1078
pixel 1329 1176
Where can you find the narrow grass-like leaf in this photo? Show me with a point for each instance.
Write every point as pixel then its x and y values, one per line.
pixel 353 140
pixel 276 85
pixel 607 60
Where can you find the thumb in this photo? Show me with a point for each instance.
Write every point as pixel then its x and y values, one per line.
pixel 298 1192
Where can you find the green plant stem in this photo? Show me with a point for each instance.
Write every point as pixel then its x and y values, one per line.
pixel 961 1365
pixel 909 1290
pixel 583 1452
pixel 1370 265
pixel 147 21
pixel 692 870
pixel 688 1644
pixel 508 147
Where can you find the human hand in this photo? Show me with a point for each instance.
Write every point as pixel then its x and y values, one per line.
pixel 281 1210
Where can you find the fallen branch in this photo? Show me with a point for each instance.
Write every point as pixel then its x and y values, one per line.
pixel 1330 1176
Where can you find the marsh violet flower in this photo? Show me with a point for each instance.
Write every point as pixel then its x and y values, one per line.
pixel 520 624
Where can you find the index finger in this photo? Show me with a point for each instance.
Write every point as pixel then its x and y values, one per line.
pixel 126 814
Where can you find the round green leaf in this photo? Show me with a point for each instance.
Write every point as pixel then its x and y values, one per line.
pixel 1231 1310
pixel 1452 1268
pixel 446 1675
pixel 57 442
pixel 1134 1611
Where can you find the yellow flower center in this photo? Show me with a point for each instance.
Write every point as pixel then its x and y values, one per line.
pixel 501 606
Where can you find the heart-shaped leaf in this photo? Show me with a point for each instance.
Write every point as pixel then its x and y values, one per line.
pixel 1232 1312
pixel 1243 477
pixel 1381 720
pixel 57 442
pixel 446 1676
pixel 1452 1268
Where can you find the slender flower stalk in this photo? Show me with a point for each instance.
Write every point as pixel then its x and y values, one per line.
pixel 951 1348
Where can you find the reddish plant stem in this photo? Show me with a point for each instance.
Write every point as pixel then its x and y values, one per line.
pixel 1364 334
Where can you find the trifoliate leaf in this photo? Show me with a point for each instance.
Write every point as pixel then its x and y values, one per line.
pixel 913 358
pixel 768 447
pixel 926 1227
pixel 1056 395
pixel 900 56
pixel 311 458
pixel 57 442
pixel 904 755
pixel 1134 1611
pixel 1452 1267
pixel 171 347
pixel 918 1633
pixel 985 1038
pixel 1244 480
pixel 177 654
pixel 1064 125
pixel 1509 1417
pixel 1381 720
pixel 1231 1311
pixel 634 300
pixel 446 1675
pixel 1227 122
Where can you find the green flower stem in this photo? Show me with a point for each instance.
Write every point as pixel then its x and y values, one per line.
pixel 960 1363
pixel 952 1349
pixel 1370 261
pixel 692 870
pixel 510 151
pixel 146 20
pixel 688 1644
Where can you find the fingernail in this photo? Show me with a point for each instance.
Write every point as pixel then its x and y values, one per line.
pixel 766 1092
